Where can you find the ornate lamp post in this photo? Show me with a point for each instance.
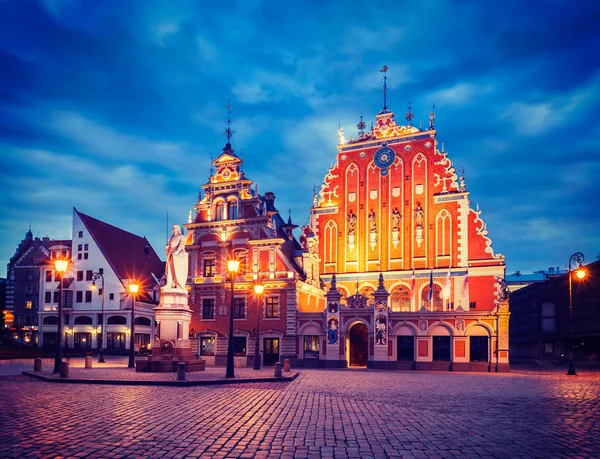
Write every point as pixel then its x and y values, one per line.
pixel 133 289
pixel 580 272
pixel 258 290
pixel 232 266
pixel 61 268
pixel 95 277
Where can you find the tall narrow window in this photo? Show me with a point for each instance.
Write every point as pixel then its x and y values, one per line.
pixel 210 267
pixel 208 308
pixel 239 308
pixel 219 211
pixel 272 307
pixel 233 210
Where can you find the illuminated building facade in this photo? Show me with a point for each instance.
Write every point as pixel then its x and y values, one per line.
pixel 121 258
pixel 412 281
pixel 232 220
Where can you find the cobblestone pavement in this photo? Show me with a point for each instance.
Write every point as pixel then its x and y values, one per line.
pixel 331 414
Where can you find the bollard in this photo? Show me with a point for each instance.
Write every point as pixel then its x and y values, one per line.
pixel 37 364
pixel 88 361
pixel 286 364
pixel 64 369
pixel 278 370
pixel 181 367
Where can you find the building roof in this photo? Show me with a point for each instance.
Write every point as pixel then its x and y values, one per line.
pixel 130 256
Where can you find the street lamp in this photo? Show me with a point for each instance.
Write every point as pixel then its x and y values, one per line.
pixel 61 268
pixel 95 277
pixel 258 290
pixel 133 289
pixel 580 272
pixel 232 266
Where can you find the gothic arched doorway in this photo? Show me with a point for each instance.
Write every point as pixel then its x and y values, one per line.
pixel 359 345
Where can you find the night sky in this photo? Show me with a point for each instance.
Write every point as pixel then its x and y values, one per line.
pixel 116 107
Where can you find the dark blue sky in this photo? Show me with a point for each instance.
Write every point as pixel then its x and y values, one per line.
pixel 115 107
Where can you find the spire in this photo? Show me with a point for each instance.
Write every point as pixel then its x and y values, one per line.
pixel 409 115
pixel 432 117
pixel 384 70
pixel 361 126
pixel 228 132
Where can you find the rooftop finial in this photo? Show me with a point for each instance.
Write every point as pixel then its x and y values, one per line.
pixel 228 132
pixel 432 117
pixel 361 126
pixel 409 115
pixel 384 70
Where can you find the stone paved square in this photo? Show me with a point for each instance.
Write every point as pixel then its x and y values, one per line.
pixel 323 413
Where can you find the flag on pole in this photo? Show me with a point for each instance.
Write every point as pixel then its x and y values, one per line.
pixel 412 283
pixel 447 288
pixel 466 283
pixel 431 289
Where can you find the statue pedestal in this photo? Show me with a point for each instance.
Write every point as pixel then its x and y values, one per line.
pixel 173 317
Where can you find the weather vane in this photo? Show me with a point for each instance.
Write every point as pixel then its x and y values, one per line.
pixel 409 115
pixel 228 132
pixel 432 117
pixel 384 71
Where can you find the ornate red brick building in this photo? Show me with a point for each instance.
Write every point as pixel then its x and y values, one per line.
pixel 413 280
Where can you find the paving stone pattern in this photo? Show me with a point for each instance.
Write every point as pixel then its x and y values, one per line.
pixel 330 414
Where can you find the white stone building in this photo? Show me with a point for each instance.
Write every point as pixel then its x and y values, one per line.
pixel 109 259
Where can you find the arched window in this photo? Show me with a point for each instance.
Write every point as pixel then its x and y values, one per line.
pixel 51 320
pixel 233 210
pixel 436 303
pixel 400 299
pixel 219 211
pixel 143 321
pixel 116 320
pixel 443 235
pixel 83 320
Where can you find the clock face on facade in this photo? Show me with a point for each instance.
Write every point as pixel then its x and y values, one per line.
pixel 384 157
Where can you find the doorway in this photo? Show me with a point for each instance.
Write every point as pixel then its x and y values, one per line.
pixel 359 345
pixel 271 351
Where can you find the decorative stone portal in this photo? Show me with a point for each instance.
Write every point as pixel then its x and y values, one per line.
pixel 359 345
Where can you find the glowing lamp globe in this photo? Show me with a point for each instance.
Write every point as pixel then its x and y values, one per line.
pixel 580 273
pixel 61 265
pixel 133 288
pixel 259 289
pixel 233 266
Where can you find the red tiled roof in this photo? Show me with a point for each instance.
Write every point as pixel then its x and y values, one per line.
pixel 130 256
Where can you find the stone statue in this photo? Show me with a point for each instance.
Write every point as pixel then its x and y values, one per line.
pixel 419 214
pixel 177 260
pixel 351 223
pixel 372 226
pixel 395 219
pixel 502 293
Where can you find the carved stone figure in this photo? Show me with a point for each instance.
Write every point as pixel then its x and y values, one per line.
pixel 372 225
pixel 351 223
pixel 395 219
pixel 177 260
pixel 502 293
pixel 419 214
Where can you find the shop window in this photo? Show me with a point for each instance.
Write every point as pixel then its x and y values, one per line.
pixel 441 348
pixel 115 340
pixel 311 347
pixel 82 340
pixel 406 348
pixel 207 345
pixel 478 348
pixel 239 345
